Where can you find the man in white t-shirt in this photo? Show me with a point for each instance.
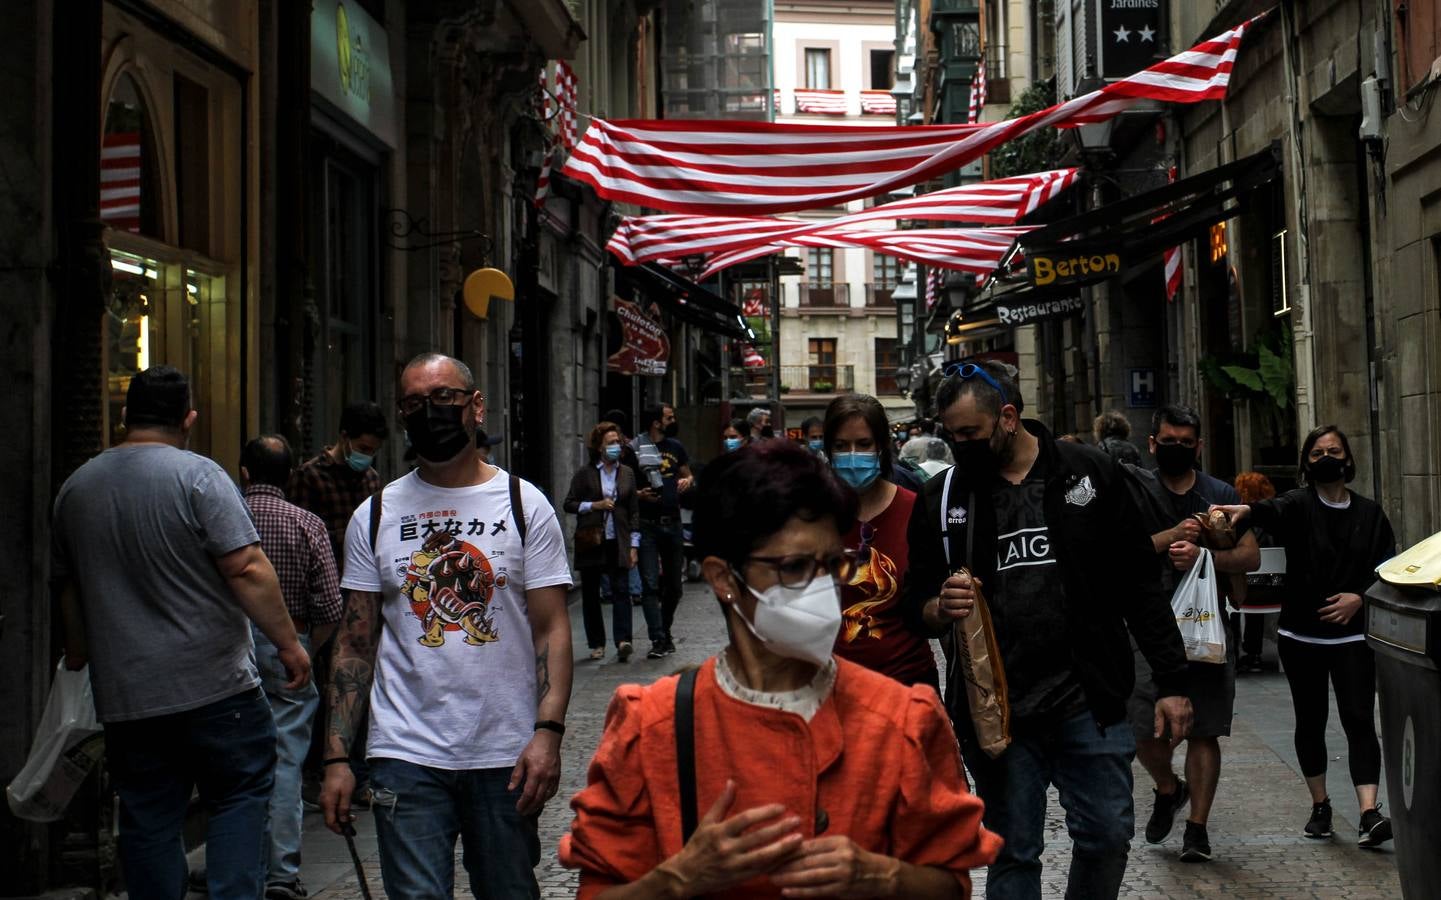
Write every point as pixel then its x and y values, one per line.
pixel 456 629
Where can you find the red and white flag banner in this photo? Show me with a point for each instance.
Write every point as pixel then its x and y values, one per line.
pixel 1002 201
pixel 120 180
pixel 750 168
pixel 825 102
pixel 978 90
pixel 1172 257
pixel 567 93
pixel 878 103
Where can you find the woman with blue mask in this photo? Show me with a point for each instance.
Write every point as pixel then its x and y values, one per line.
pixel 813 432
pixel 603 497
pixel 857 439
pixel 735 435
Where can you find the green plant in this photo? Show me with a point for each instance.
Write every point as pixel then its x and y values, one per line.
pixel 822 387
pixel 1265 375
pixel 1038 151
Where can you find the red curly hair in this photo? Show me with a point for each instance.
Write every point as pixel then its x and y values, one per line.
pixel 1254 487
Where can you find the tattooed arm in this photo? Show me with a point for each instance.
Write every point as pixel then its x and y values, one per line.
pixel 538 768
pixel 352 668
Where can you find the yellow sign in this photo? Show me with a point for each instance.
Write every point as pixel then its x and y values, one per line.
pixel 1218 242
pixel 1053 269
pixel 483 284
pixel 352 57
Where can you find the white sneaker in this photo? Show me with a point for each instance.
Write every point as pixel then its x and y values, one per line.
pixel 623 651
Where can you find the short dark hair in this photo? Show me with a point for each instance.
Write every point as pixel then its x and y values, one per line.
pixel 267 460
pixel 364 418
pixel 810 422
pixel 652 415
pixel 1177 416
pixel 742 427
pixel 743 498
pixel 1112 423
pixel 869 409
pixel 953 387
pixel 621 420
pixel 1349 473
pixel 159 397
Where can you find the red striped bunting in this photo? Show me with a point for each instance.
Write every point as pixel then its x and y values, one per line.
pixel 120 180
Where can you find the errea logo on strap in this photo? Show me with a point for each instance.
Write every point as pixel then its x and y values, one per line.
pixel 956 515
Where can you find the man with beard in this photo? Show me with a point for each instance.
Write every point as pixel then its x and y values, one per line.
pixel 1168 499
pixel 1055 545
pixel 465 567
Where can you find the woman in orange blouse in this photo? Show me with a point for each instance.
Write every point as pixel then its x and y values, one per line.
pixel 814 777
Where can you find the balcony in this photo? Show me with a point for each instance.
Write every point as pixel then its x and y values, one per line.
pixel 818 379
pixel 878 296
pixel 825 295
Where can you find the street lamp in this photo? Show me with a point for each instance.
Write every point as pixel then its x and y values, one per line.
pixel 1094 139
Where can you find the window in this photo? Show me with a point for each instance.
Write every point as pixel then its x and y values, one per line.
pixel 883 70
pixel 820 266
pixel 818 68
pixel 885 270
pixel 822 369
pixel 887 360
pixel 192 163
pixel 129 185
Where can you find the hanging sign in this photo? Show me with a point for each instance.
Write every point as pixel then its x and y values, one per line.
pixel 1072 264
pixel 1131 36
pixel 350 66
pixel 1024 312
pixel 644 347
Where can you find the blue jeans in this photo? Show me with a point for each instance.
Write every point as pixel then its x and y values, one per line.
pixel 420 811
pixel 661 548
pixel 226 750
pixel 1091 769
pixel 294 712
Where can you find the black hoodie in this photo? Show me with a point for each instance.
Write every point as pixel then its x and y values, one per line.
pixel 1107 565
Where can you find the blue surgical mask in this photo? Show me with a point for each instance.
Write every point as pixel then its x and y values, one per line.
pixel 359 461
pixel 816 445
pixel 859 470
pixel 732 444
pixel 612 452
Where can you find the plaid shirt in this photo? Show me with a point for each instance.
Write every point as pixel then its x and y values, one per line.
pixel 296 543
pixel 332 490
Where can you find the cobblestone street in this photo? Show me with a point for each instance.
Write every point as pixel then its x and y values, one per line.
pixel 1255 827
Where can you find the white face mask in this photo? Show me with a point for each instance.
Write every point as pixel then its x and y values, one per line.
pixel 799 623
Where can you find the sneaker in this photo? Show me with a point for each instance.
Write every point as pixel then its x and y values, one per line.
pixel 285 890
pixel 1196 846
pixel 1320 824
pixel 1163 814
pixel 669 646
pixel 597 653
pixel 1375 829
pixel 657 650
pixel 623 650
pixel 1250 665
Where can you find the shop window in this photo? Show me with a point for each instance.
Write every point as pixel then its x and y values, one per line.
pixel 818 68
pixel 129 186
pixel 192 164
pixel 135 295
pixel 883 70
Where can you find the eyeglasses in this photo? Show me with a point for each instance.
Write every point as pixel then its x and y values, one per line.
pixel 967 371
pixel 437 397
pixel 800 570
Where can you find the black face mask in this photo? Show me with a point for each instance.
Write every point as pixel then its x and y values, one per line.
pixel 1326 470
pixel 438 432
pixel 976 459
pixel 768 432
pixel 671 430
pixel 1175 459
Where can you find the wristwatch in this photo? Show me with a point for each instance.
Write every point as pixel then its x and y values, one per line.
pixel 550 725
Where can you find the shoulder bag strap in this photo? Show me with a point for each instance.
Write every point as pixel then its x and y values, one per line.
pixel 375 510
pixel 685 752
pixel 517 512
pixel 945 524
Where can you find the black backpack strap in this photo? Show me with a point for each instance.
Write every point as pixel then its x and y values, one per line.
pixel 517 511
pixel 376 508
pixel 685 751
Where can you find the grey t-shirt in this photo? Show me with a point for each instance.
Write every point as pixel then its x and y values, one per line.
pixel 138 528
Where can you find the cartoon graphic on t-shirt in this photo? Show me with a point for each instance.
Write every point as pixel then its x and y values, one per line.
pixel 878 584
pixel 449 584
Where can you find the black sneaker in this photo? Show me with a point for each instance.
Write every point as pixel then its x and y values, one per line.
pixel 285 890
pixel 1375 829
pixel 1250 664
pixel 1197 844
pixel 1163 815
pixel 657 650
pixel 669 646
pixel 1320 824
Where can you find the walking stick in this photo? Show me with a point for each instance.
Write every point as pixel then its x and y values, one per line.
pixel 349 832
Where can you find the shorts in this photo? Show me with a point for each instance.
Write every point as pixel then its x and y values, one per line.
pixel 1211 690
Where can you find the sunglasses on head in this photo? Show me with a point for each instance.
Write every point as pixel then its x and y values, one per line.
pixel 967 371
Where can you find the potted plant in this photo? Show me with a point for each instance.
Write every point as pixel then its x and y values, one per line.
pixel 1265 376
pixel 822 386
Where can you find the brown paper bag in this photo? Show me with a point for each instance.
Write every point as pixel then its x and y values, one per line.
pixel 978 661
pixel 1216 530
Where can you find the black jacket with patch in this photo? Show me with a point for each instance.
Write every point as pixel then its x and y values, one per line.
pixel 1107 564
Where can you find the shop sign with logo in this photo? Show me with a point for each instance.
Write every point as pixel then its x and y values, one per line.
pixel 644 347
pixel 1023 312
pixel 1131 36
pixel 350 66
pixel 1071 265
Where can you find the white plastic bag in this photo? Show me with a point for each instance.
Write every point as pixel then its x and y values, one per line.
pixel 1196 604
pixel 67 745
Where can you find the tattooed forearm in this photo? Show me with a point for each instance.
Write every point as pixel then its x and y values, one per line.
pixel 542 674
pixel 352 669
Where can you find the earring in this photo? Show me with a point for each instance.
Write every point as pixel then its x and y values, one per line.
pixel 728 595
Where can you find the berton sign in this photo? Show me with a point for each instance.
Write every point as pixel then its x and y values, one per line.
pixel 1075 266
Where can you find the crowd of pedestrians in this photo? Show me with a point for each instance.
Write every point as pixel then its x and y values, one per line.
pixel 821 752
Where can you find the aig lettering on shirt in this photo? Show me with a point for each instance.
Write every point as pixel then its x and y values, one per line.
pixel 1026 547
pixel 449 582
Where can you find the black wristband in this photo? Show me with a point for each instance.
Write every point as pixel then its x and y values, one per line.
pixel 333 760
pixel 550 725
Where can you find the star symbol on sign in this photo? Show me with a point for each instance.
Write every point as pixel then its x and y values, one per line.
pixel 1147 34
pixel 1123 35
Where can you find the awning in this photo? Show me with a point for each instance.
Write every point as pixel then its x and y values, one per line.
pixel 687 300
pixel 1104 242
